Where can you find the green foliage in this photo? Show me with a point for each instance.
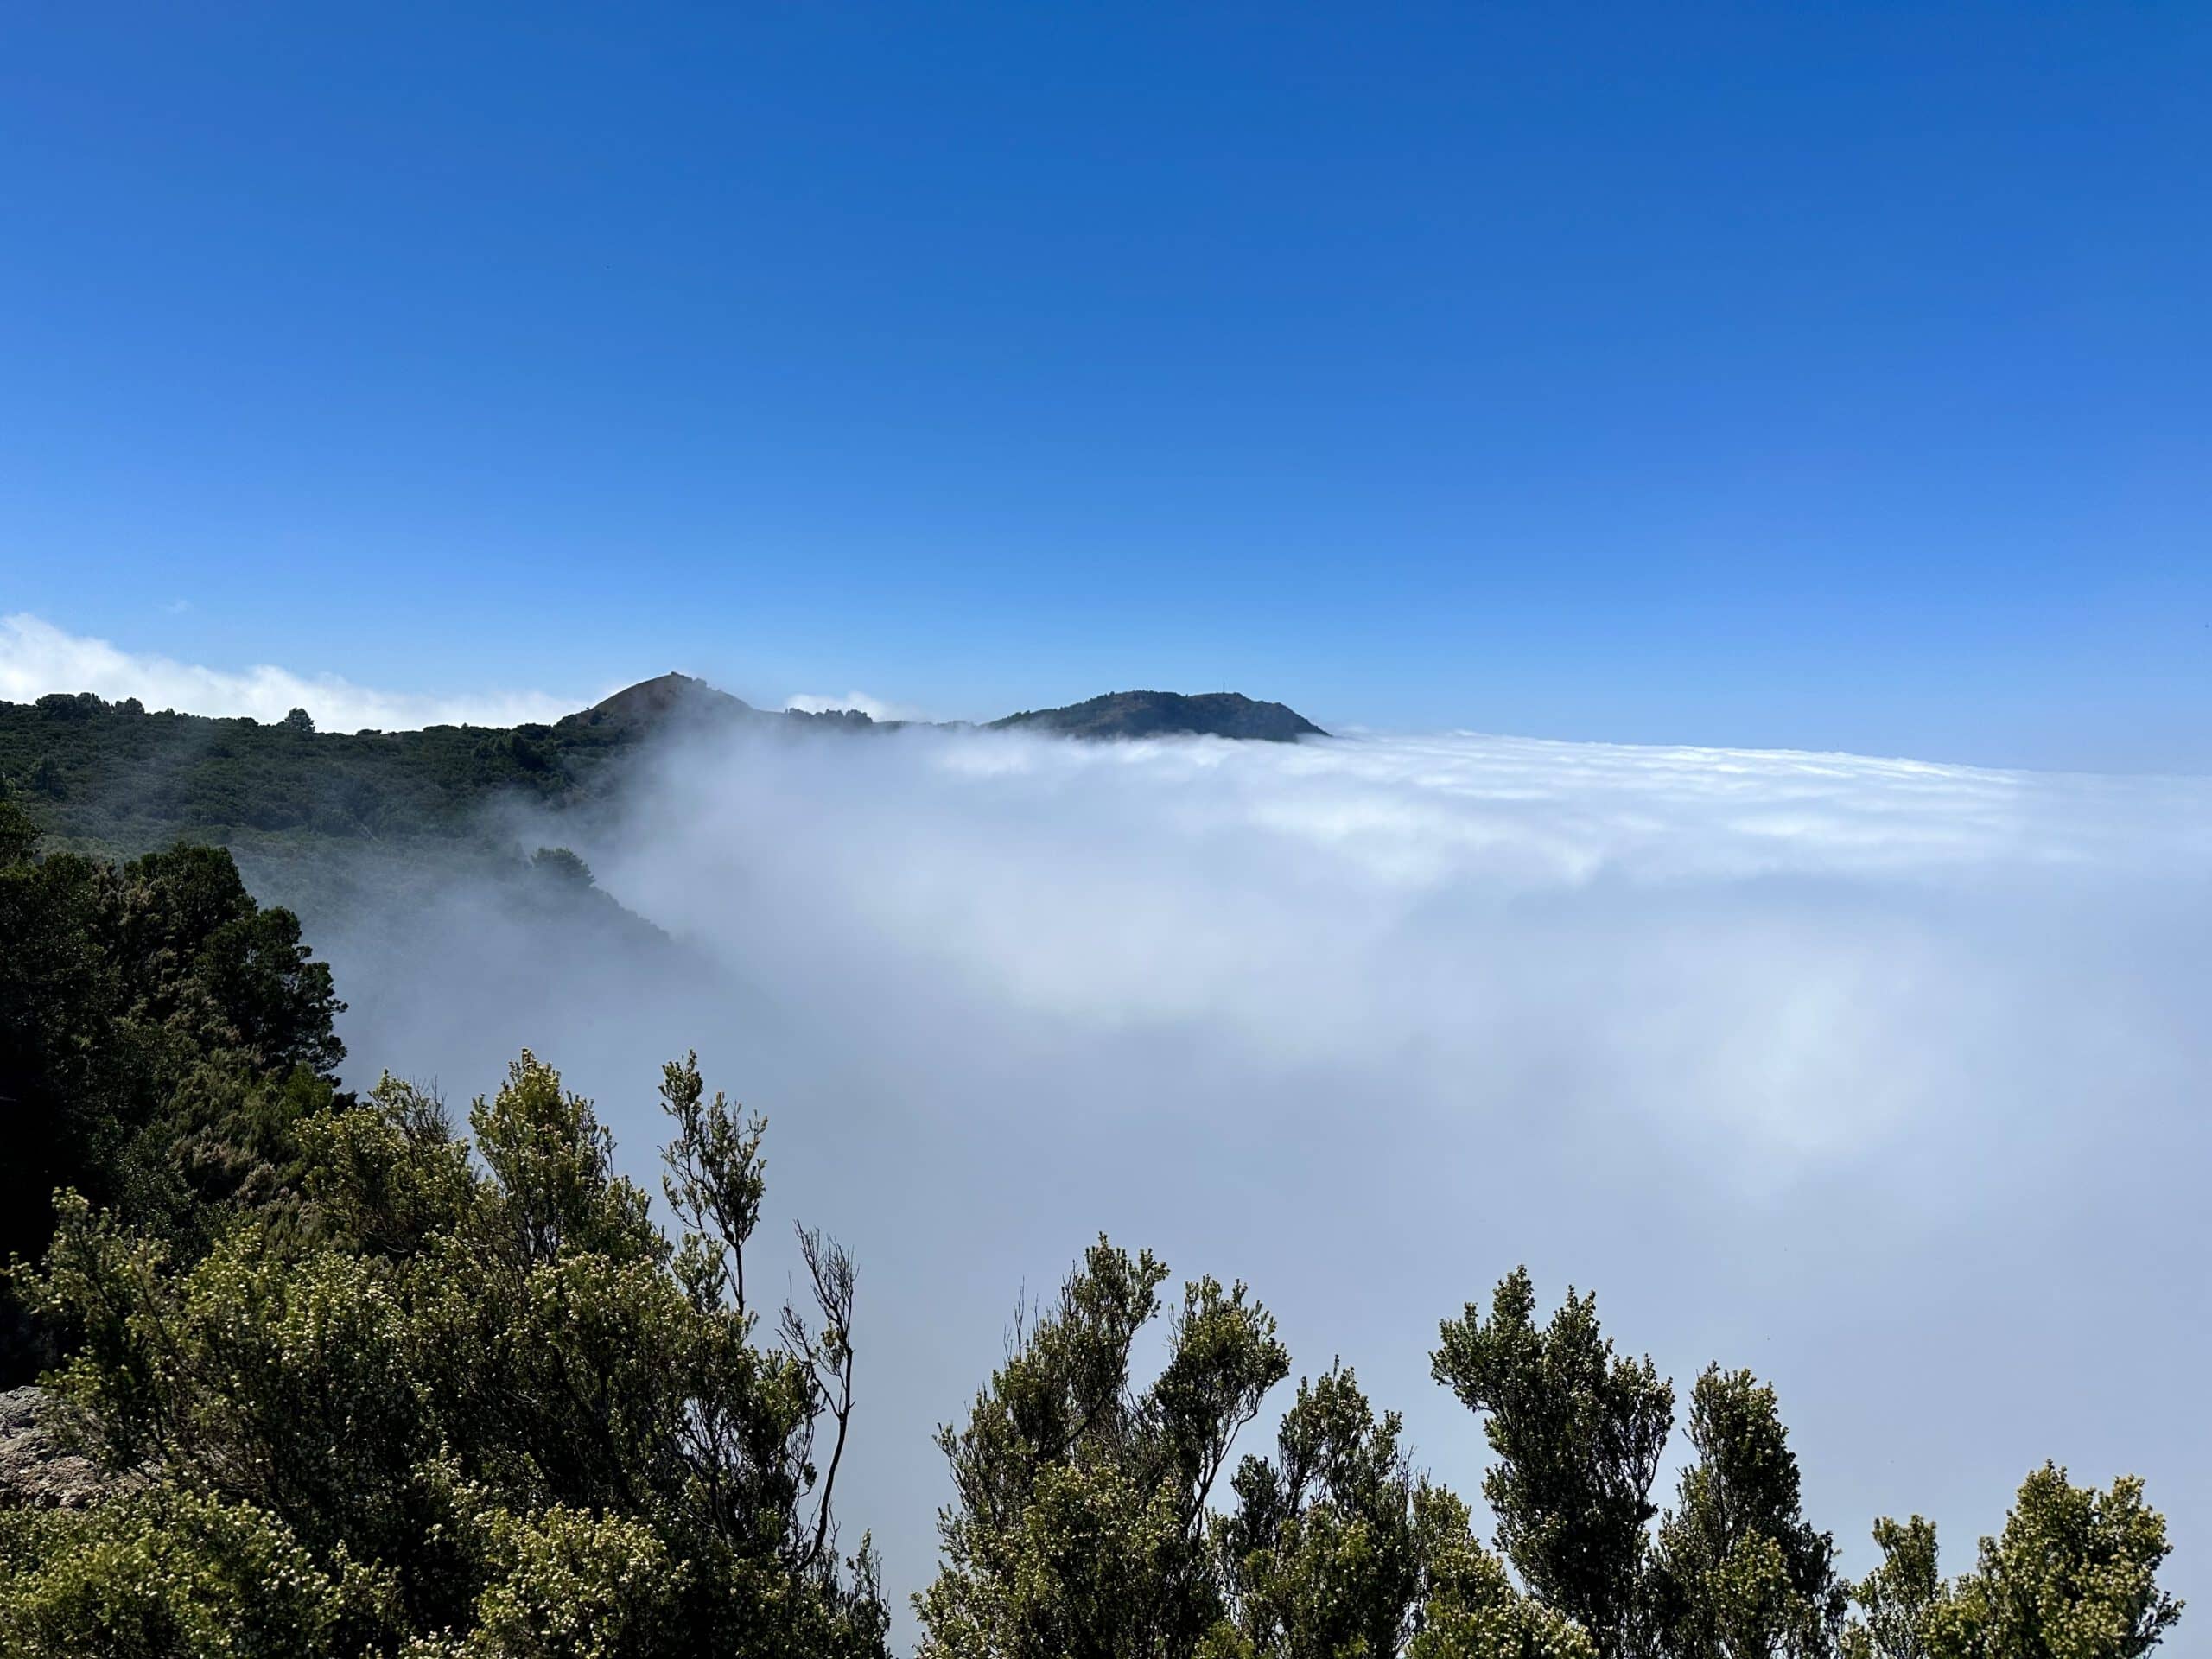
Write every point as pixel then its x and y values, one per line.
pixel 124 779
pixel 1898 1600
pixel 1322 1555
pixel 1471 1609
pixel 1336 1550
pixel 489 1384
pixel 167 1572
pixel 1738 1570
pixel 1578 1434
pixel 565 1583
pixel 1078 1524
pixel 158 1032
pixel 368 825
pixel 374 831
pixel 19 832
pixel 2073 1575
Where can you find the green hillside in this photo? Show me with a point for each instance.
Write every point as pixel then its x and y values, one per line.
pixel 324 822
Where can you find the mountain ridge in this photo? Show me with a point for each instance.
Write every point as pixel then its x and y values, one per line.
pixel 1229 715
pixel 676 699
pixel 119 779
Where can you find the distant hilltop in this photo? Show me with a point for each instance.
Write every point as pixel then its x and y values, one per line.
pixel 1165 714
pixel 678 699
pixel 671 697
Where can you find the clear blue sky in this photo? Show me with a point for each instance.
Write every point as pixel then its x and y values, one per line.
pixel 1831 376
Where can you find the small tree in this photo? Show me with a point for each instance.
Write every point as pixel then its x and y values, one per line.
pixel 1578 1433
pixel 1322 1554
pixel 1078 1527
pixel 299 720
pixel 1470 1608
pixel 1738 1572
pixel 1337 1549
pixel 1899 1598
pixel 2073 1576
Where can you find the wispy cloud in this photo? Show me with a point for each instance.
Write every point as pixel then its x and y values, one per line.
pixel 36 657
pixel 814 702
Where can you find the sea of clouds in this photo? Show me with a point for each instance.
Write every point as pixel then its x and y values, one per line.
pixel 1884 1079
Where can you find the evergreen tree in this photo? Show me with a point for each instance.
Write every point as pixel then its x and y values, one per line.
pixel 1898 1600
pixel 1078 1528
pixel 1738 1572
pixel 1336 1550
pixel 1578 1433
pixel 1470 1607
pixel 158 1029
pixel 1322 1554
pixel 2073 1575
pixel 481 1404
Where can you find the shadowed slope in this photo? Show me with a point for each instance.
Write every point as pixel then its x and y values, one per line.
pixel 1164 714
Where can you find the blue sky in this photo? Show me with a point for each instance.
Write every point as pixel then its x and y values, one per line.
pixel 1813 376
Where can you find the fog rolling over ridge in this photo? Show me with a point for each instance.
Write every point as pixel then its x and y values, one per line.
pixel 1885 1080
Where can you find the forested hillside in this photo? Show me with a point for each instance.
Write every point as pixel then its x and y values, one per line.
pixel 115 776
pixel 357 1379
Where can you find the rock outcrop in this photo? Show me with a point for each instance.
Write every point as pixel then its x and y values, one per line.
pixel 36 1470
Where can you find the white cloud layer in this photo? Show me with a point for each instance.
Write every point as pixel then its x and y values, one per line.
pixel 1885 1080
pixel 36 657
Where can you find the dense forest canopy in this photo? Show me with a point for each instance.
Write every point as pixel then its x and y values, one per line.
pixel 367 1381
pixel 118 775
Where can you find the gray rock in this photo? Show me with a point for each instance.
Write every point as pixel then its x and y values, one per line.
pixel 36 1470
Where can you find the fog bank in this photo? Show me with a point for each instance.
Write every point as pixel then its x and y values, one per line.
pixel 1884 1080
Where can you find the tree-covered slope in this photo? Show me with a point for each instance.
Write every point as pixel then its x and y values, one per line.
pixel 115 775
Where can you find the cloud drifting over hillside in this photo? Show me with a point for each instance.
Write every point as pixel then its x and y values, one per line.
pixel 1886 1079
pixel 36 657
pixel 816 702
